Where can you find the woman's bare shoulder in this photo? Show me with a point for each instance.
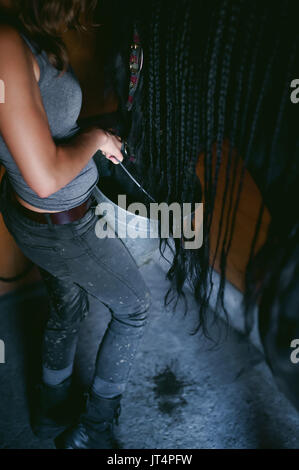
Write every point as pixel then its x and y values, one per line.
pixel 15 56
pixel 9 34
pixel 11 42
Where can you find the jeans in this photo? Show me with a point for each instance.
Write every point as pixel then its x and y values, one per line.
pixel 74 263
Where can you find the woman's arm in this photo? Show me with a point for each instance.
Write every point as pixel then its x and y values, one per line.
pixel 45 166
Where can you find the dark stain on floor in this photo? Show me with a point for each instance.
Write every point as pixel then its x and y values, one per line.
pixel 169 387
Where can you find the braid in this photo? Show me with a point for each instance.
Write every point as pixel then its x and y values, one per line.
pixel 222 102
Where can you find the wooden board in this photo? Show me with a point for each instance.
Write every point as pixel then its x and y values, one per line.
pixel 246 218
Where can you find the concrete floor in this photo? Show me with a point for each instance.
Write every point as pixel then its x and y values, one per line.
pixel 181 394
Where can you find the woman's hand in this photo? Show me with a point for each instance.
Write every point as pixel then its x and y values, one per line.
pixel 111 147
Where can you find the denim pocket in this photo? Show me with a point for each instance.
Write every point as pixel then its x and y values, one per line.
pixel 40 248
pixel 47 257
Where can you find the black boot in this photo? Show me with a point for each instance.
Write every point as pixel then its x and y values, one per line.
pixel 52 409
pixel 94 429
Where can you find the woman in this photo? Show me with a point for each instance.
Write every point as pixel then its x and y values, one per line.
pixel 206 76
pixel 47 204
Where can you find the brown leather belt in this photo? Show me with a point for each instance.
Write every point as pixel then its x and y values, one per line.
pixel 57 218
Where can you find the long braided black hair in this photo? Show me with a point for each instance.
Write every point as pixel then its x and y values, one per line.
pixel 214 71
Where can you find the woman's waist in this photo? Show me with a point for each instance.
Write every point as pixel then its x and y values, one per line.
pixel 68 197
pixel 53 205
pixel 31 207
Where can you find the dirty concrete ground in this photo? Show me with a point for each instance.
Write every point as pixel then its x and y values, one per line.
pixel 182 393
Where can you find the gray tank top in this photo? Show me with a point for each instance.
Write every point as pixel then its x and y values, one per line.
pixel 62 99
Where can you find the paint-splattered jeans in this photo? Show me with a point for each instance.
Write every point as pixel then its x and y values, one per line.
pixel 73 263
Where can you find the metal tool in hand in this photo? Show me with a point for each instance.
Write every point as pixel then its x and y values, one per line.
pixel 125 152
